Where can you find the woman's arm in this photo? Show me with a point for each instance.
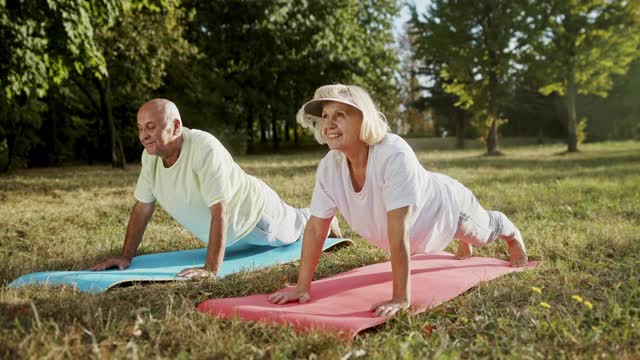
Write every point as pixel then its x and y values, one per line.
pixel 398 232
pixel 315 233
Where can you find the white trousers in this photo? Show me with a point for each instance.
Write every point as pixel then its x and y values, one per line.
pixel 280 224
pixel 478 226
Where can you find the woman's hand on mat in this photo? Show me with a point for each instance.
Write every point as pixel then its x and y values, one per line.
pixel 198 272
pixel 389 307
pixel 121 262
pixel 283 297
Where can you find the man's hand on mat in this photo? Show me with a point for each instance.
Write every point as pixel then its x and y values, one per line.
pixel 121 262
pixel 284 297
pixel 199 272
pixel 388 308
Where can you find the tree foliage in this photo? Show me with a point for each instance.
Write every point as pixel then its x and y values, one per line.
pixel 43 41
pixel 474 47
pixel 265 58
pixel 581 45
pixel 136 49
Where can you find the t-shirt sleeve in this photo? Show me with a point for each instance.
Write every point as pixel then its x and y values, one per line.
pixel 144 187
pixel 322 204
pixel 400 181
pixel 213 175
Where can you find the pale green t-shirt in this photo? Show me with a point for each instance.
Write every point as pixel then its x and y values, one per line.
pixel 204 175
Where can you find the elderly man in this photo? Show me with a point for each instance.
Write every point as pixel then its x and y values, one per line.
pixel 196 181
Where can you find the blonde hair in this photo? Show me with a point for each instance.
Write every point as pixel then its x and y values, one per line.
pixel 374 123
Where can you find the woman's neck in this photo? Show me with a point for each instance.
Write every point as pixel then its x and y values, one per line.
pixel 358 156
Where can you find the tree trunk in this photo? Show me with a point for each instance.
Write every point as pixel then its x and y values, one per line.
pixel 117 153
pixel 249 128
pixel 11 150
pixel 572 140
pixel 274 128
pixel 492 138
pixel 460 120
pixel 263 130
pixel 287 128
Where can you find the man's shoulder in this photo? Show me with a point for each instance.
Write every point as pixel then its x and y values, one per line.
pixel 199 135
pixel 201 140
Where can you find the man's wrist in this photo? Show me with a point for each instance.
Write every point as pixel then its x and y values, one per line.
pixel 210 268
pixel 127 257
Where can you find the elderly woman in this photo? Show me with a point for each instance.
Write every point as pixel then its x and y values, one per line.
pixel 375 180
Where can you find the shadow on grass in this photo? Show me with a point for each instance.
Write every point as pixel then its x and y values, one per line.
pixel 527 164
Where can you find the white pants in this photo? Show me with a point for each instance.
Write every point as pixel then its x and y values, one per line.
pixel 280 224
pixel 478 226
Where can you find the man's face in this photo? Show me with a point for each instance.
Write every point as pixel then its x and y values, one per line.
pixel 153 133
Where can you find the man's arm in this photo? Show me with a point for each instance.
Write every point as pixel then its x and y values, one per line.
pixel 217 243
pixel 398 232
pixel 138 220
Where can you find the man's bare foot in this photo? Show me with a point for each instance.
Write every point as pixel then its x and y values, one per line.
pixel 464 250
pixel 517 251
pixel 334 229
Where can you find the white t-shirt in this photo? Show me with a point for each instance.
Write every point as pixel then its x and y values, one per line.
pixel 394 179
pixel 204 175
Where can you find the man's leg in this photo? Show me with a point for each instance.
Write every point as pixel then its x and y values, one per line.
pixel 280 224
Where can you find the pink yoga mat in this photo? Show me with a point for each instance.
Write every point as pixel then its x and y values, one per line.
pixel 341 303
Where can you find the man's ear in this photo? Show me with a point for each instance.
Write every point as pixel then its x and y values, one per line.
pixel 176 127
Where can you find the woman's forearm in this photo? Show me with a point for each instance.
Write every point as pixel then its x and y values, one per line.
pixel 315 233
pixel 398 232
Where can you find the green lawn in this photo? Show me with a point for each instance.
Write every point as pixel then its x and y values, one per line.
pixel 579 214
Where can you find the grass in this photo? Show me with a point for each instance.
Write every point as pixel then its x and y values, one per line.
pixel 579 213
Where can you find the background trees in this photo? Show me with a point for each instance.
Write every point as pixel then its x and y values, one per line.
pixel 264 59
pixel 472 46
pixel 580 45
pixel 494 55
pixel 73 73
pixel 42 43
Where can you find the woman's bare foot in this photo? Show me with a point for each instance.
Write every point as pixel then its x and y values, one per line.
pixel 464 250
pixel 517 251
pixel 334 229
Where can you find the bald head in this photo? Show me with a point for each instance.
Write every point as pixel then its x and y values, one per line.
pixel 160 109
pixel 160 127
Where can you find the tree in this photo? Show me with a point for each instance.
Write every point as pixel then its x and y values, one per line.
pixel 581 45
pixel 41 43
pixel 618 115
pixel 476 44
pixel 137 49
pixel 269 56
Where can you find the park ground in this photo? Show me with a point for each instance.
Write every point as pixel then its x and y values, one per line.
pixel 579 214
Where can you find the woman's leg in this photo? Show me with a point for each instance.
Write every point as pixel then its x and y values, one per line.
pixel 480 227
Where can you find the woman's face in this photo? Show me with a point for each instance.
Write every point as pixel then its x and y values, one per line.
pixel 341 125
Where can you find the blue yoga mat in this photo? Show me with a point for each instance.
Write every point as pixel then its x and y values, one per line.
pixel 165 266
